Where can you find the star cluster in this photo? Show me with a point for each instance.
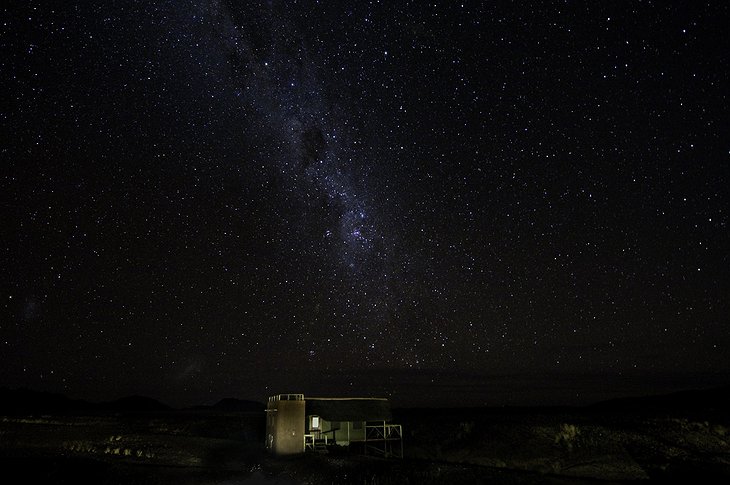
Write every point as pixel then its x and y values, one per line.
pixel 209 198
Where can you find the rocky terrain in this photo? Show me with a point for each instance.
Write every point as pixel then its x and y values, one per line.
pixel 670 439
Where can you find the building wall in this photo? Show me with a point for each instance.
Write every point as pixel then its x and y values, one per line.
pixel 285 427
pixel 345 433
pixel 357 434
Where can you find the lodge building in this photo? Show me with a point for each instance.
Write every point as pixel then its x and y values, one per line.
pixel 318 424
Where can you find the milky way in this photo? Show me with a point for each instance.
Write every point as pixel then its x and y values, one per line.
pixel 314 145
pixel 205 199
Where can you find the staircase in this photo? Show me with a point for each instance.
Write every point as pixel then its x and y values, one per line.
pixel 320 446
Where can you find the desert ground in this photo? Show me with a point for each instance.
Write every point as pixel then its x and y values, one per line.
pixel 619 442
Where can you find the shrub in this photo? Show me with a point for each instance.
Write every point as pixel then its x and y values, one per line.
pixel 567 436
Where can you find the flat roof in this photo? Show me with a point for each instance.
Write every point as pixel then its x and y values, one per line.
pixel 349 409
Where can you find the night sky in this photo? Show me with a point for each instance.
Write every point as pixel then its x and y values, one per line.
pixel 443 203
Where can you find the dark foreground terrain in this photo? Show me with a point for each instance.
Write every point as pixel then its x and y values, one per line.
pixel 676 439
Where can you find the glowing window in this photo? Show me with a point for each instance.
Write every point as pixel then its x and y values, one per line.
pixel 315 422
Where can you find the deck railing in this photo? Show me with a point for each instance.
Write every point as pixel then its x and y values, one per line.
pixel 384 439
pixel 287 397
pixel 311 441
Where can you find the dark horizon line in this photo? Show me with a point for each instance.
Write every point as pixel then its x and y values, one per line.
pixel 724 388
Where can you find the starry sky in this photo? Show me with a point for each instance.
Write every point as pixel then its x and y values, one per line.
pixel 445 203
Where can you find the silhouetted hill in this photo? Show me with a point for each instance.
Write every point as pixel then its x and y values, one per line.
pixel 237 405
pixel 134 404
pixel 26 402
pixel 711 400
pixel 231 405
pixel 19 402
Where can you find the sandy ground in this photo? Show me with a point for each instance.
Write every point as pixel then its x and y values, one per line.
pixel 441 447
